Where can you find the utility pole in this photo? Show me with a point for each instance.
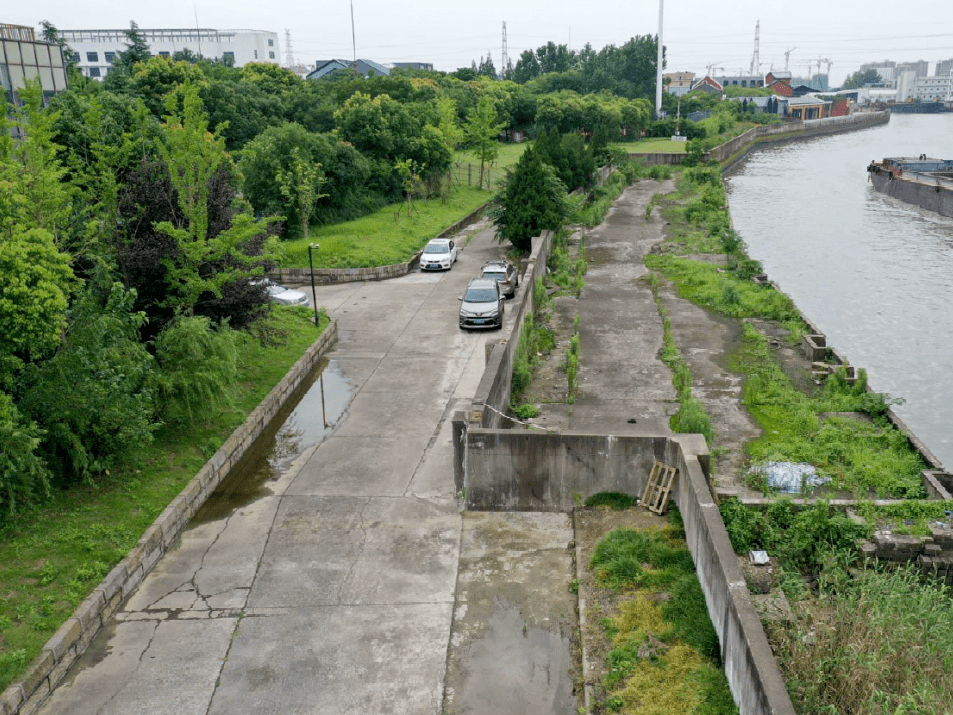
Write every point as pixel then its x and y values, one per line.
pixel 289 55
pixel 504 59
pixel 658 69
pixel 353 39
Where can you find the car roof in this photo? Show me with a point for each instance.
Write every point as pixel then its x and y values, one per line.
pixel 438 241
pixel 500 264
pixel 483 283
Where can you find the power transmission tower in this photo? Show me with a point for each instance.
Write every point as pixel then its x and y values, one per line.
pixel 756 57
pixel 504 59
pixel 289 54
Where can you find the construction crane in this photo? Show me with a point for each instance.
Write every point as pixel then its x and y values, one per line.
pixel 709 68
pixel 787 56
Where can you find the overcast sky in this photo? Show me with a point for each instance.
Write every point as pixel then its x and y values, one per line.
pixel 450 35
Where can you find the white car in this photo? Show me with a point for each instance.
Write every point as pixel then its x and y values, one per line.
pixel 439 255
pixel 281 295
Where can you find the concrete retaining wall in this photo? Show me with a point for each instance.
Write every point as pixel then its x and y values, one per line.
pixel 514 470
pixel 74 636
pixel 492 396
pixel 326 276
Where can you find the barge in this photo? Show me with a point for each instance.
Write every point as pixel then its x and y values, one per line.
pixel 922 181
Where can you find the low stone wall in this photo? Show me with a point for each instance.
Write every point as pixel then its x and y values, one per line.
pixel 663 159
pixel 553 471
pixel 74 636
pixel 328 276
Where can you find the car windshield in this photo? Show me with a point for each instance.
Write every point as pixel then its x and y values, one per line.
pixel 437 248
pixel 496 275
pixel 480 295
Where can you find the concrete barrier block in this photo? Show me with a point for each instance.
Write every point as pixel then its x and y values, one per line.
pixel 88 612
pixel 11 699
pixel 36 678
pixel 65 638
pixel 36 700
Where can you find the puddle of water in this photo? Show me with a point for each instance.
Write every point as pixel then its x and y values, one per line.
pixel 516 668
pixel 311 414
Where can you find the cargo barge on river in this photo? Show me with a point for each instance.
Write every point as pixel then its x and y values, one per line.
pixel 922 181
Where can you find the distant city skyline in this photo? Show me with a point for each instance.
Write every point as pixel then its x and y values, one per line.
pixel 848 32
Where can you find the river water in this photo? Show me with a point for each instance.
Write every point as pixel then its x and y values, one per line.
pixel 873 273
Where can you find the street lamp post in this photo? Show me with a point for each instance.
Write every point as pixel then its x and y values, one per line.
pixel 314 295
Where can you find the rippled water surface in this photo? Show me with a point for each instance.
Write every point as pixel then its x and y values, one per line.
pixel 873 273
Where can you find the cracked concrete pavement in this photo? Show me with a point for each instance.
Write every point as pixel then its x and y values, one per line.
pixel 334 592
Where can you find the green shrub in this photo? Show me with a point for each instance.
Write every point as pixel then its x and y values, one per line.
pixel 197 368
pixel 616 500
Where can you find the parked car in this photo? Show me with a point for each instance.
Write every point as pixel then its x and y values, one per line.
pixel 439 255
pixel 282 295
pixel 482 305
pixel 505 273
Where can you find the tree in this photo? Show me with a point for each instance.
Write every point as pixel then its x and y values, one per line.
pixel 32 191
pixel 486 68
pixel 301 185
pixel 527 67
pixel 555 58
pixel 35 280
pixel 859 79
pixel 481 131
pixel 533 200
pixel 137 50
pixel 193 156
pixel 93 398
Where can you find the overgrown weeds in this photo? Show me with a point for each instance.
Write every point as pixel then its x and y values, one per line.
pixel 664 656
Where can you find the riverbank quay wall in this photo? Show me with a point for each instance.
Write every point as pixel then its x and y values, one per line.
pixel 732 152
pixel 74 636
pixel 499 469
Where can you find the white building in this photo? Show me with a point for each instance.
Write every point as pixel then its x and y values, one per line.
pixel 928 88
pixel 94 50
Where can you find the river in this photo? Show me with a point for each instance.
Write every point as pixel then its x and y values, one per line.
pixel 873 273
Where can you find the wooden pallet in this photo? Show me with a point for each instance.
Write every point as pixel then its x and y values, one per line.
pixel 659 487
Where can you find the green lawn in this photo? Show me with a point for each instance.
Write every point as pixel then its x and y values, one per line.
pixel 654 145
pixel 389 235
pixel 52 557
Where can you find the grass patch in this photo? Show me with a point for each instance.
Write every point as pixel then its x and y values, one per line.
pixel 653 145
pixel 664 656
pixel 52 556
pixel 864 457
pixel 615 500
pixel 389 235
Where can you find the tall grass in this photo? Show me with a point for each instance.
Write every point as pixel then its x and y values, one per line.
pixel 874 642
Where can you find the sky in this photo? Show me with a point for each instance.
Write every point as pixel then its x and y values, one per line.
pixel 696 34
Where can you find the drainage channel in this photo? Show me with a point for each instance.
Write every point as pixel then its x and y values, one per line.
pixel 312 413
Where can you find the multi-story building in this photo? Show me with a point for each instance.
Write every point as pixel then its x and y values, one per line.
pixel 23 57
pixel 944 68
pixel 741 81
pixel 920 68
pixel 678 83
pixel 95 50
pixel 931 88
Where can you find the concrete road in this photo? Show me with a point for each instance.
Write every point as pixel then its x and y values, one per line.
pixel 335 593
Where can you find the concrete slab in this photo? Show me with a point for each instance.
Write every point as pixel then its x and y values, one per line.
pixel 147 667
pixel 514 617
pixel 370 551
pixel 347 661
pixel 213 565
pixel 360 466
pixel 377 414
